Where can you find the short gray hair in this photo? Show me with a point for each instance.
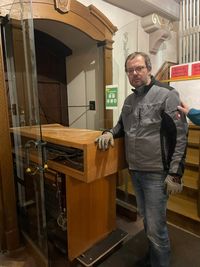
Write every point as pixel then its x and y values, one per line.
pixel 144 55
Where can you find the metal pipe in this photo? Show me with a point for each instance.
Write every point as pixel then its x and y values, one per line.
pixel 197 19
pixel 187 26
pixel 183 31
pixel 190 31
pixel 181 38
pixel 194 34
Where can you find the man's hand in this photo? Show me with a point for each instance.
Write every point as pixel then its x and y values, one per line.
pixel 173 184
pixel 104 140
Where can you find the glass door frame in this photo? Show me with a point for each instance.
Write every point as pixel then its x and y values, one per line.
pixel 24 117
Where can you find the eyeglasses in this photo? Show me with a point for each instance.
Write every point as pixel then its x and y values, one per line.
pixel 136 69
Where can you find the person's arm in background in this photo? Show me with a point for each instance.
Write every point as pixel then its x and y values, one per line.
pixel 192 113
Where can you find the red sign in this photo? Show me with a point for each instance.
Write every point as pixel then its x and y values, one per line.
pixel 196 68
pixel 179 71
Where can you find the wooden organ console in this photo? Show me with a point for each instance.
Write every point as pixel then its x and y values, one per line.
pixel 90 180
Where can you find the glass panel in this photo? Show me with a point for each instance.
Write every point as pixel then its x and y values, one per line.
pixel 28 147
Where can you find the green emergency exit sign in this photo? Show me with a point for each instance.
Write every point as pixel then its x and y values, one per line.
pixel 111 96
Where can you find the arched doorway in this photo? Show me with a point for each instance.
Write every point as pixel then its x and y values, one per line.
pixel 80 26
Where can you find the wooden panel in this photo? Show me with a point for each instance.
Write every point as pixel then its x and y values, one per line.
pixel 60 135
pixel 192 156
pixel 184 206
pixel 190 178
pixel 193 136
pixel 97 163
pixel 90 212
pixel 102 163
pixel 186 223
pixel 51 73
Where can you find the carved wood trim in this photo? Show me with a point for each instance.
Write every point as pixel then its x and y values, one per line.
pixel 87 19
pixel 94 11
pixel 62 5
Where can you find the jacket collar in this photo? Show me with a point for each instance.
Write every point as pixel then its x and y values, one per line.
pixel 144 88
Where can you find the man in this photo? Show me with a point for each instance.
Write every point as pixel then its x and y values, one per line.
pixel 155 143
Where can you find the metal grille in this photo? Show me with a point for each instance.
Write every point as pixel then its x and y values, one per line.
pixel 189 31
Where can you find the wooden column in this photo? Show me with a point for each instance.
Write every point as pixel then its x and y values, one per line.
pixel 8 216
pixel 108 79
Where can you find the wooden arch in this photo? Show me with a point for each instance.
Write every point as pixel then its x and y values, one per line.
pixel 88 20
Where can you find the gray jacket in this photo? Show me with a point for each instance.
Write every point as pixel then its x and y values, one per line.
pixel 155 132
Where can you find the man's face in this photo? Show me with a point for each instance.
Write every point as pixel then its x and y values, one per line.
pixel 137 72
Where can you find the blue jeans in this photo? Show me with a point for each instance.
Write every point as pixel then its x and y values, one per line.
pixel 152 203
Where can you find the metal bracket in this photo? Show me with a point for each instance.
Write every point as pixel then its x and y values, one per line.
pixel 36 144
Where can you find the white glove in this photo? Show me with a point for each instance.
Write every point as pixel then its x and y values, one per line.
pixel 104 140
pixel 173 184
